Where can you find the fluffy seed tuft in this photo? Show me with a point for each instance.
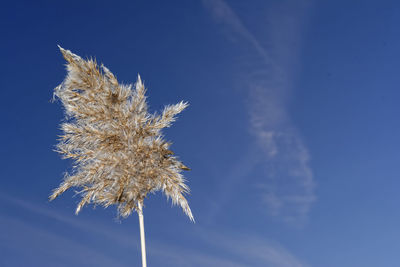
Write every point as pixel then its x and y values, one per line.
pixel 117 147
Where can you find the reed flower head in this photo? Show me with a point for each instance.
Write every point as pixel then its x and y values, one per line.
pixel 118 150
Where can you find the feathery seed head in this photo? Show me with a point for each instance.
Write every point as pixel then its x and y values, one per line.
pixel 117 147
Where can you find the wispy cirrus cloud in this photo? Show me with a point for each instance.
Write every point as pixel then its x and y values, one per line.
pixel 45 246
pixel 287 189
pixel 223 13
pixel 230 250
pixel 249 249
pixel 31 231
pixel 42 247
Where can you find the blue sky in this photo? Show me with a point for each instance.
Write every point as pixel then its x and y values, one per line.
pixel 292 132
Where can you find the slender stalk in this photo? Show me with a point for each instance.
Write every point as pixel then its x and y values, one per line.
pixel 142 241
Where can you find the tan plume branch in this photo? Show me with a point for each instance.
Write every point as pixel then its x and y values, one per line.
pixel 117 146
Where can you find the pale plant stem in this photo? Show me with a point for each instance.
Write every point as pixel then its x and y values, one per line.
pixel 142 241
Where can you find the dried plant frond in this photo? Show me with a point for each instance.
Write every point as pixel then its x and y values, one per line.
pixel 119 153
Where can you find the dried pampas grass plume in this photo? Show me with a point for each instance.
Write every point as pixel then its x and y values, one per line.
pixel 118 150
